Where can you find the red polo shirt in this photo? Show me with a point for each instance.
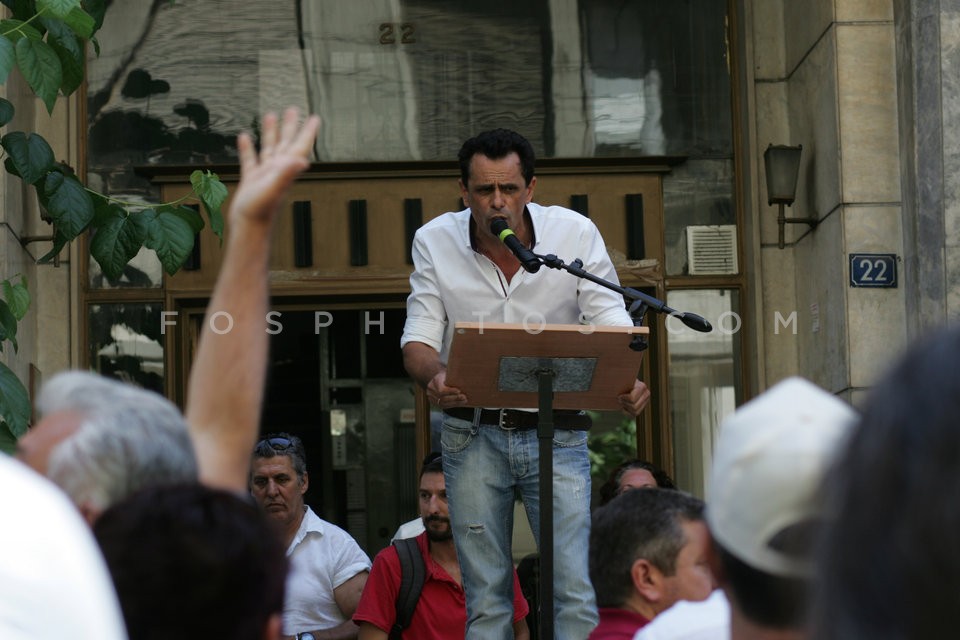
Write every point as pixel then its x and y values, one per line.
pixel 441 612
pixel 618 624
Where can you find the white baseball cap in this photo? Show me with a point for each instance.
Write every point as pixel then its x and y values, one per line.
pixel 771 458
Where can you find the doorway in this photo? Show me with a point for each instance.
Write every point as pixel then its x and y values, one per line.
pixel 336 380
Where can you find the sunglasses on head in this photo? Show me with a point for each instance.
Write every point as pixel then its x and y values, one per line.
pixel 277 443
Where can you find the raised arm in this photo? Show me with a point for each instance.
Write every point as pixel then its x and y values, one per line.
pixel 227 378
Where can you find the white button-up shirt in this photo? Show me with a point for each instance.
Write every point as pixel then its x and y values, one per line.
pixel 322 557
pixel 453 283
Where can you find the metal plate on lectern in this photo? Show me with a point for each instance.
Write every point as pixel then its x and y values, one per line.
pixel 522 373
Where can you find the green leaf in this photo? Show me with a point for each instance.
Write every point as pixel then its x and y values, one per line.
pixel 30 155
pixel 97 9
pixel 17 296
pixel 118 241
pixel 8 325
pixel 59 242
pixel 70 53
pixel 212 193
pixel 11 168
pixel 67 202
pixel 8 58
pixel 59 8
pixel 16 30
pixel 14 402
pixel 81 22
pixel 8 442
pixel 6 111
pixel 185 213
pixel 40 66
pixel 21 9
pixel 103 210
pixel 171 237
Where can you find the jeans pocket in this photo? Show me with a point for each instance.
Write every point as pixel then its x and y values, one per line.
pixel 456 435
pixel 569 438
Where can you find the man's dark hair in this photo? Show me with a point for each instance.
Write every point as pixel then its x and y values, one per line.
pixel 611 488
pixel 496 144
pixel 771 601
pixel 192 562
pixel 432 463
pixel 638 524
pixel 283 444
pixel 891 505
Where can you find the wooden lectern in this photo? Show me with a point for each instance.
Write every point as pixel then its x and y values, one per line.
pixel 544 366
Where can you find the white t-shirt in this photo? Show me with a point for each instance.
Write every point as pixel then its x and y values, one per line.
pixel 706 620
pixel 322 557
pixel 54 583
pixel 410 529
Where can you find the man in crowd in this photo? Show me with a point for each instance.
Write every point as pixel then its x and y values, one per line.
pixel 441 609
pixel 634 474
pixel 53 581
pixel 463 272
pixel 764 510
pixel 327 567
pixel 648 550
pixel 101 439
pixel 888 562
pixel 191 562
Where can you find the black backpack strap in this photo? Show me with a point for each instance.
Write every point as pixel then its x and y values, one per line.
pixel 413 573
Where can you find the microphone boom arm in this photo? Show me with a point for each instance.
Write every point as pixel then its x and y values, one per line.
pixel 640 301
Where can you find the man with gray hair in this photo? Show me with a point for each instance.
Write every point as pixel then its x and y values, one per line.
pixel 102 439
pixel 764 510
pixel 328 570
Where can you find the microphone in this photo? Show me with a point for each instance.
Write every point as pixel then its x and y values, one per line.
pixel 695 322
pixel 527 258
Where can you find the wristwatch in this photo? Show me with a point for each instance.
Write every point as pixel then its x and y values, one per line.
pixel 306 635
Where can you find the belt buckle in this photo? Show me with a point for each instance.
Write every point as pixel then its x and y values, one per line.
pixel 502 416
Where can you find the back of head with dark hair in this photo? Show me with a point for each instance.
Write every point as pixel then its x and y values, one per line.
pixel 889 563
pixel 191 562
pixel 496 144
pixel 638 524
pixel 432 463
pixel 611 488
pixel 771 601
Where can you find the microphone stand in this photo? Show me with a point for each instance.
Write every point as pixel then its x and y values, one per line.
pixel 639 305
pixel 640 301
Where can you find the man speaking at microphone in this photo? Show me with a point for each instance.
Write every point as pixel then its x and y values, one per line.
pixel 464 272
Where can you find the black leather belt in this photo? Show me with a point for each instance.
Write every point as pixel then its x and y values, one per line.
pixel 513 419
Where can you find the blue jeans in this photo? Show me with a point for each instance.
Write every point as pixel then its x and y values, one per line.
pixel 482 465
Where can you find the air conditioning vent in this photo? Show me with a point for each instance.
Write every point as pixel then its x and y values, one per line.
pixel 712 249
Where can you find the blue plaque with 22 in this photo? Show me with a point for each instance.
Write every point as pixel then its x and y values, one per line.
pixel 873 270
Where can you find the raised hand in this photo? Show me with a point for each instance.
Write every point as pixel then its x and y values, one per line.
pixel 264 177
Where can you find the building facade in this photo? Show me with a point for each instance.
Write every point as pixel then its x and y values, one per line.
pixel 653 121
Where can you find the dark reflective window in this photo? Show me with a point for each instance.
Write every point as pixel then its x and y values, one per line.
pixel 411 80
pixel 125 342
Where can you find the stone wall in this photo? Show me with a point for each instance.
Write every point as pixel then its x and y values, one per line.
pixel 829 84
pixel 46 335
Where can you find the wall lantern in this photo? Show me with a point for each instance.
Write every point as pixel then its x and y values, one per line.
pixel 782 163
